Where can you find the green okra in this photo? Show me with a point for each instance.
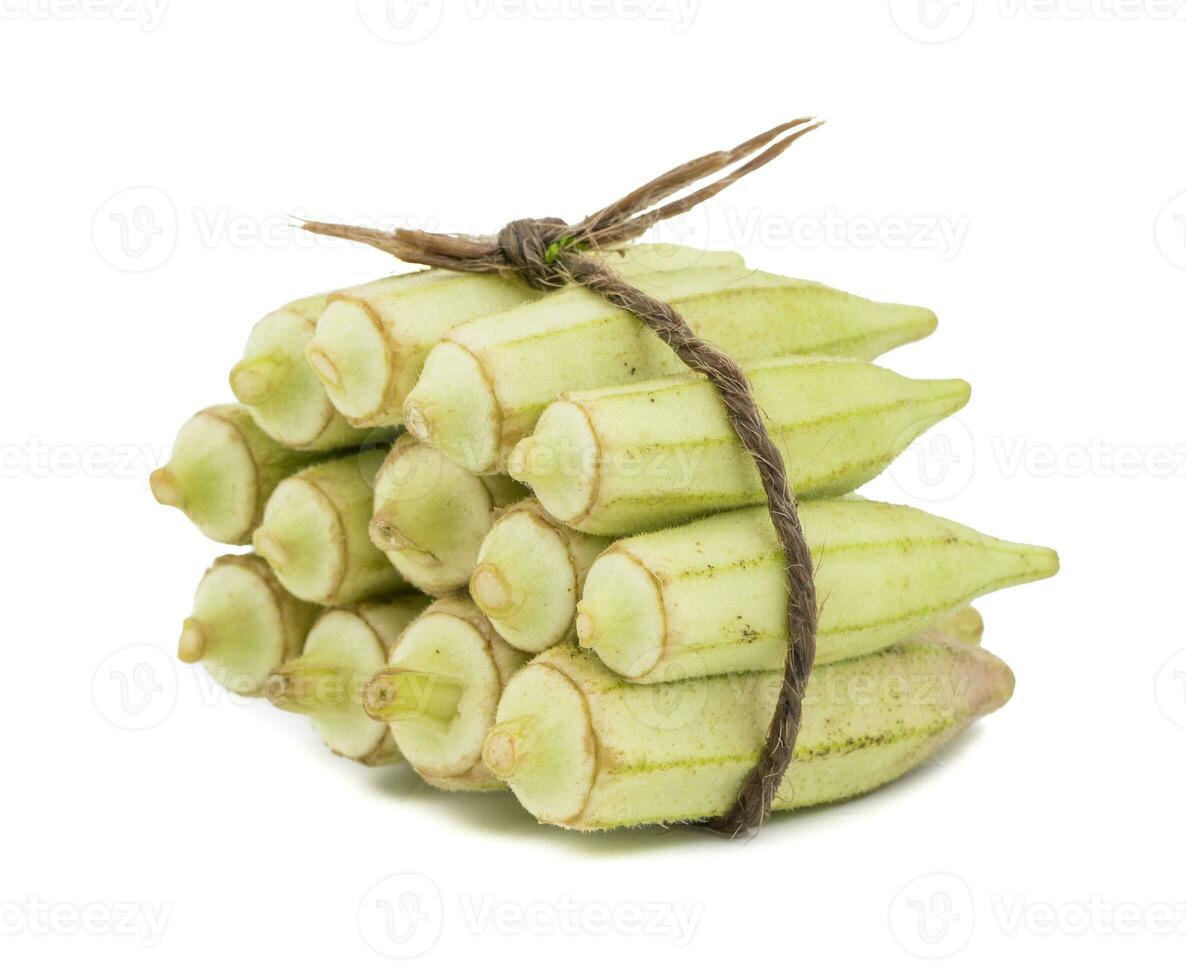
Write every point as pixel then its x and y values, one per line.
pixel 243 624
pixel 430 515
pixel 440 693
pixel 529 574
pixel 280 389
pixel 222 471
pixel 617 461
pixel 710 597
pixel 582 748
pixel 486 384
pixel 344 649
pixel 314 533
pixel 371 340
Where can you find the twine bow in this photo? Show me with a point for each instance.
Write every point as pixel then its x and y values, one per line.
pixel 549 254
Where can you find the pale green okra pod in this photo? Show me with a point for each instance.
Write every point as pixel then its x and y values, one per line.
pixel 617 461
pixel 371 340
pixel 280 389
pixel 430 515
pixel 486 384
pixel 710 597
pixel 440 693
pixel 582 748
pixel 222 471
pixel 243 624
pixel 529 574
pixel 314 533
pixel 344 649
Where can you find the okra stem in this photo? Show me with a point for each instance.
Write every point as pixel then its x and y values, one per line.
pixel 396 695
pixel 529 574
pixel 314 533
pixel 430 515
pixel 222 471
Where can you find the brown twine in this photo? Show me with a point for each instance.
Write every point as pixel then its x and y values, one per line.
pixel 549 254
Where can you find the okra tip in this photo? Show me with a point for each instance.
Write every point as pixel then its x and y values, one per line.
pixel 166 488
pixel 255 379
pixel 191 647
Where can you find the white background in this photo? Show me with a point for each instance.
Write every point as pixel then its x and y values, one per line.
pixel 1032 152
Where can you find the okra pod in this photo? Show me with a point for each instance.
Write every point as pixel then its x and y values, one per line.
pixel 314 533
pixel 222 471
pixel 344 649
pixel 430 515
pixel 243 624
pixel 617 461
pixel 483 389
pixel 586 750
pixel 280 389
pixel 440 692
pixel 965 624
pixel 371 341
pixel 710 597
pixel 529 574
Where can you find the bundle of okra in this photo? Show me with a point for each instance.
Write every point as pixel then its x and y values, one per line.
pixel 506 537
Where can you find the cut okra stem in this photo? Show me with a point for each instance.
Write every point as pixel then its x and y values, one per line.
pixel 586 750
pixel 280 389
pixel 243 624
pixel 617 461
pixel 430 515
pixel 222 471
pixel 482 389
pixel 710 597
pixel 314 533
pixel 344 649
pixel 371 341
pixel 529 574
pixel 440 692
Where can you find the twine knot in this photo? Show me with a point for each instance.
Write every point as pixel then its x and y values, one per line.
pixel 531 247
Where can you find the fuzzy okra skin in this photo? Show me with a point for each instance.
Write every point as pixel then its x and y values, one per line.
pixel 430 515
pixel 243 624
pixel 314 533
pixel 582 748
pixel 529 574
pixel 440 692
pixel 710 597
pixel 371 340
pixel 222 471
pixel 617 461
pixel 483 389
pixel 280 389
pixel 344 649
pixel 965 624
